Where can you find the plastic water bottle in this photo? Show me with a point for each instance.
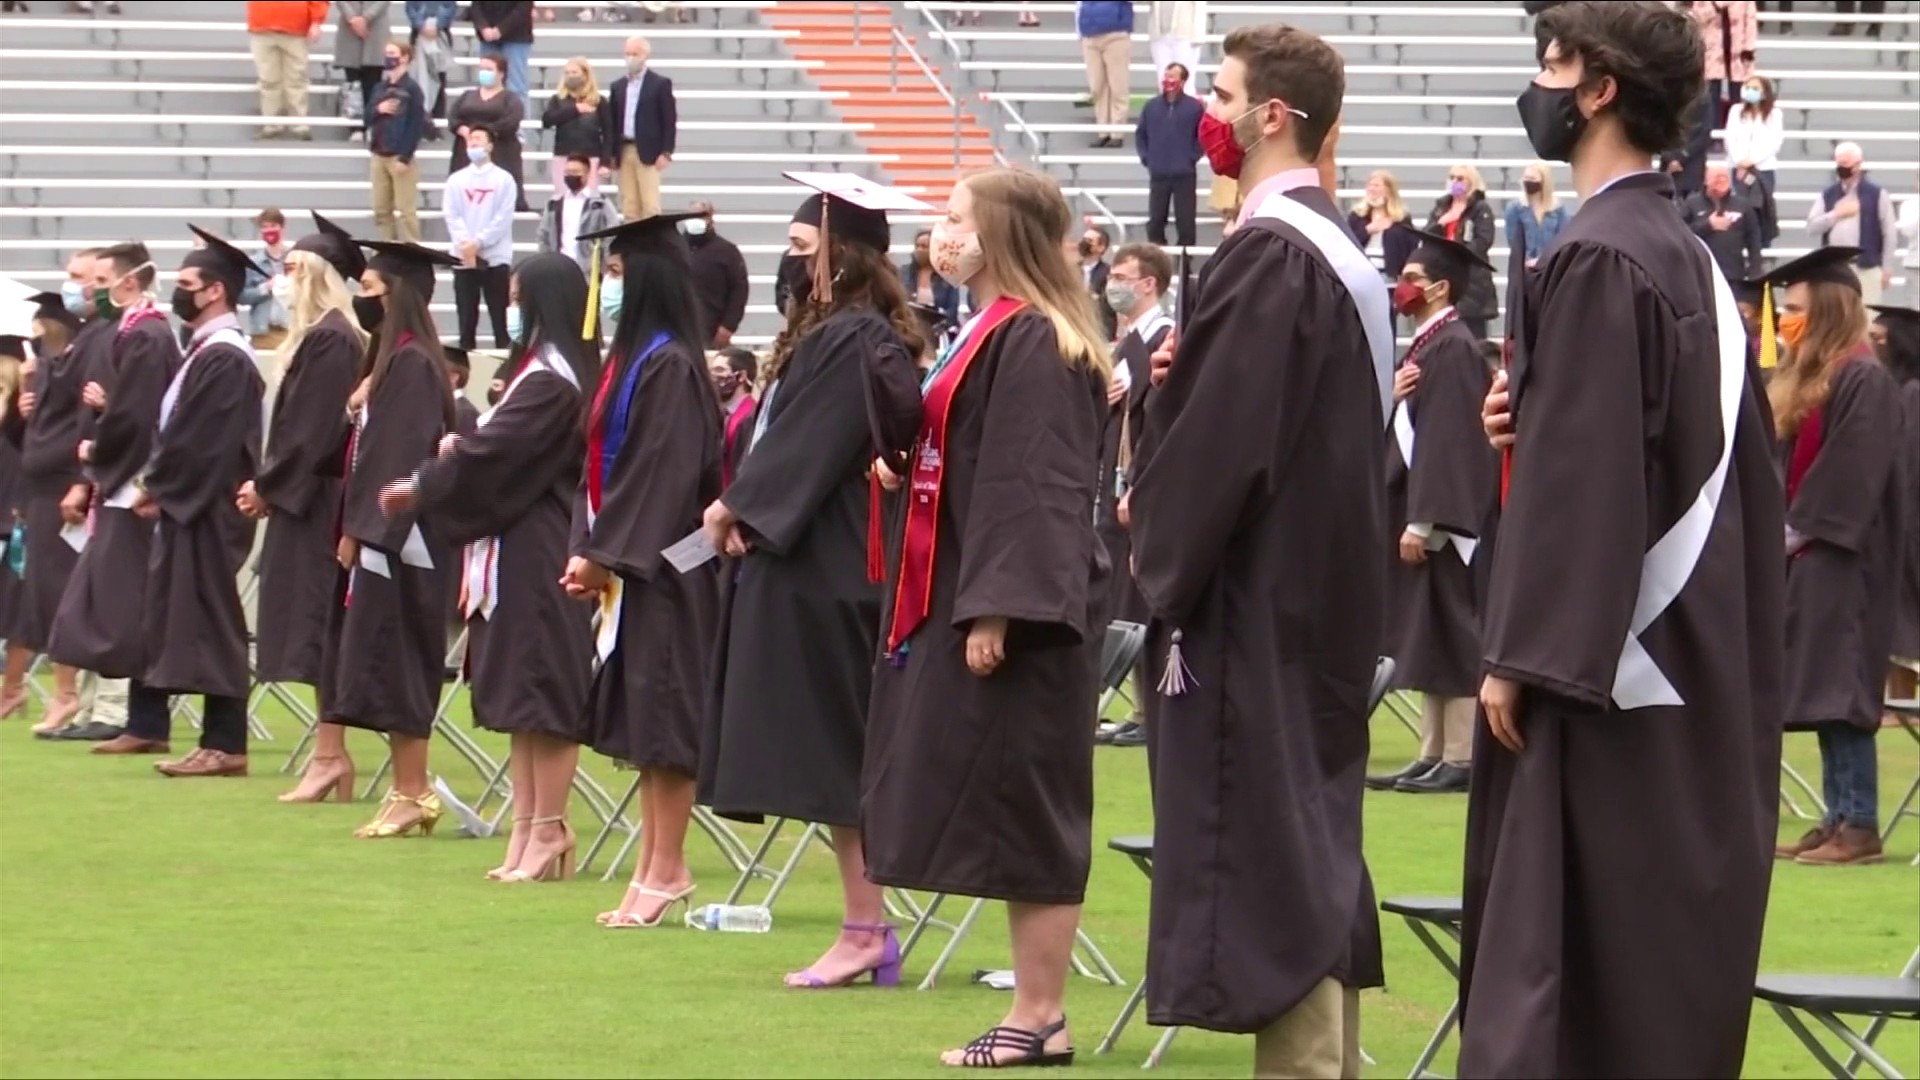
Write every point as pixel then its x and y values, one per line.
pixel 731 918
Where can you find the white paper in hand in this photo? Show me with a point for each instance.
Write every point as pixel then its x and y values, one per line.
pixel 75 536
pixel 691 550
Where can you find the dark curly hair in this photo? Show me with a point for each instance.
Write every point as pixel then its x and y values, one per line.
pixel 862 277
pixel 1651 52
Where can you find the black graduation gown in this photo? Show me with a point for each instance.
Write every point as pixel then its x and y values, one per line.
pixel 196 627
pixel 513 479
pixel 1906 616
pixel 1843 586
pixel 101 623
pixel 794 666
pixel 984 786
pixel 466 415
pixel 1122 423
pixel 12 588
pixel 48 469
pixel 1617 868
pixel 1252 547
pixel 647 702
pixel 386 645
pixel 298 571
pixel 1433 622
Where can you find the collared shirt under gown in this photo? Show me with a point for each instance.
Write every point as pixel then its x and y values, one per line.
pixel 1617 868
pixel 298 571
pixel 983 786
pixel 386 645
pixel 794 669
pixel 101 623
pixel 1253 518
pixel 48 469
pixel 196 627
pixel 647 702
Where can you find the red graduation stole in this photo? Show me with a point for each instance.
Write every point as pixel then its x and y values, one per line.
pixel 1413 350
pixel 742 417
pixel 913 594
pixel 596 438
pixel 1806 447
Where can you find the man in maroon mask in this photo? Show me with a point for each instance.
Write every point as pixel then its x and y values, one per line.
pixel 1168 139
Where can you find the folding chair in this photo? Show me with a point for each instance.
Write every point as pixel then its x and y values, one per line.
pixel 1791 775
pixel 1908 713
pixel 1827 998
pixel 614 821
pixel 1118 655
pixel 1430 918
pixel 452 733
pixel 1404 707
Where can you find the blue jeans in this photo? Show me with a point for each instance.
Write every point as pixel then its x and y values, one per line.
pixel 517 54
pixel 1850 775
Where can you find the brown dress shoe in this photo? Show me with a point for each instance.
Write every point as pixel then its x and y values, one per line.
pixel 1850 845
pixel 131 744
pixel 204 762
pixel 1813 838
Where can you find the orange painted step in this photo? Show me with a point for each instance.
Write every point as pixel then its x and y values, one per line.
pixel 905 115
pixel 837 12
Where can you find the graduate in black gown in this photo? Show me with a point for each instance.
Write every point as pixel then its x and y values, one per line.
pixel 786 727
pixel 736 378
pixel 505 490
pixel 386 644
pixel 1896 338
pixel 979 768
pixel 466 415
pixel 46 422
pixel 1253 558
pixel 1442 484
pixel 206 444
pixel 652 465
pixel 100 626
pixel 1837 414
pixel 1623 813
pixel 16 364
pixel 297 487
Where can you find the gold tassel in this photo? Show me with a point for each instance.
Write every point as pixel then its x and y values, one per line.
pixel 591 323
pixel 822 272
pixel 1769 333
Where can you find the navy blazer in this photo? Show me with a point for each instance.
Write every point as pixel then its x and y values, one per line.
pixel 655 123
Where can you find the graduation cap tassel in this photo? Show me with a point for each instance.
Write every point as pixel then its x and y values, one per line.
pixel 1769 331
pixel 1175 680
pixel 822 271
pixel 591 321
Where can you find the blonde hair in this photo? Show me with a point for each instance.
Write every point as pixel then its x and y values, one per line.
pixel 1546 202
pixel 1022 219
pixel 589 93
pixel 1394 206
pixel 317 289
pixel 1836 332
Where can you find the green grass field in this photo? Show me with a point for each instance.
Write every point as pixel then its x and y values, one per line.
pixel 198 928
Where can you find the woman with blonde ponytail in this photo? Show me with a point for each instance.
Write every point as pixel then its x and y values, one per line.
pixel 979 769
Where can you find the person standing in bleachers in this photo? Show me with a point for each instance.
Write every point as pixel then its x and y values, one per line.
pixel 397 121
pixel 1373 219
pixel 1168 142
pixel 574 211
pixel 441 12
pixel 1726 223
pixel 1463 214
pixel 479 214
pixel 1908 228
pixel 505 29
pixel 640 123
pixel 719 277
pixel 1754 134
pixel 1106 43
pixel 573 115
pixel 359 41
pixel 1174 38
pixel 432 60
pixel 1535 220
pixel 1729 31
pixel 926 288
pixel 1856 212
pixel 492 106
pixel 280 34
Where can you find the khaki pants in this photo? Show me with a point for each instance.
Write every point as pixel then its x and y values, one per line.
pixel 109 701
pixel 1446 729
pixel 1107 57
pixel 639 186
pixel 396 190
pixel 281 60
pixel 1870 290
pixel 1319 1038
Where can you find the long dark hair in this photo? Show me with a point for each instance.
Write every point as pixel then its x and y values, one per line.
pixel 553 307
pixel 862 277
pixel 1767 97
pixel 654 298
pixel 407 314
pixel 1903 349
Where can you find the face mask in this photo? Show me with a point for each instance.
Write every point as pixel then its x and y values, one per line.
pixel 724 385
pixel 1456 188
pixel 956 256
pixel 1793 329
pixel 1171 87
pixel 576 184
pixel 1086 249
pixel 1531 187
pixel 1222 143
pixel 283 290
pixel 1552 119
pixel 516 324
pixel 1752 95
pixel 1121 297
pixel 694 226
pixel 477 155
pixel 486 77
pixel 495 391
pixel 1844 172
pixel 576 82
pixel 271 236
pixel 636 68
pixel 186 305
pixel 370 310
pixel 73 296
pixel 103 304
pixel 391 62
pixel 610 294
pixel 1409 297
pixel 795 279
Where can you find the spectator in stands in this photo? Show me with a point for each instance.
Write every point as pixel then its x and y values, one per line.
pixel 396 123
pixel 1848 7
pixel 479 211
pixel 280 34
pixel 505 29
pixel 358 40
pixel 1856 212
pixel 719 278
pixel 1908 226
pixel 442 12
pixel 266 316
pixel 1372 221
pixel 1463 214
pixel 1106 42
pixel 492 106
pixel 1729 30
pixel 1754 134
pixel 575 209
pixel 1094 243
pixel 1538 217
pixel 926 288
pixel 639 121
pixel 1176 27
pixel 432 60
pixel 1731 229
pixel 1168 141
pixel 574 115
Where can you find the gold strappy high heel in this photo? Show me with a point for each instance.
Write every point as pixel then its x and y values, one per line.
pixel 382 829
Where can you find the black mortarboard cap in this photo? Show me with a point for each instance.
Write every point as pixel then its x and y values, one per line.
pixel 336 245
pixel 1833 265
pixel 223 262
pixel 1890 314
pixel 15 345
pixel 408 261
pixel 1437 246
pixel 457 357
pixel 657 235
pixel 852 208
pixel 52 306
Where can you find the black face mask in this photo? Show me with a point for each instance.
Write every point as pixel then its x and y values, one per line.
pixel 1086 249
pixel 1844 172
pixel 575 183
pixel 185 306
pixel 495 390
pixel 795 279
pixel 724 385
pixel 1532 187
pixel 370 310
pixel 1552 119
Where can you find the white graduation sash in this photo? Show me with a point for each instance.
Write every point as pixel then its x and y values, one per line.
pixel 1638 682
pixel 482 557
pixel 1463 546
pixel 413 551
pixel 1357 273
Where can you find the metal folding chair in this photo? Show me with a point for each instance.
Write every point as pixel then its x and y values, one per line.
pixel 1431 919
pixel 1404 707
pixel 462 742
pixel 1118 655
pixel 1791 776
pixel 1908 713
pixel 1827 998
pixel 1088 960
pixel 614 821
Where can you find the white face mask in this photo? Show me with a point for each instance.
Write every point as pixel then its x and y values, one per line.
pixel 957 256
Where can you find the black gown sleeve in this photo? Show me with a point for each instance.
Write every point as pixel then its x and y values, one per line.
pixel 404 426
pixel 1454 469
pixel 666 472
pixel 493 476
pixel 125 433
pixel 309 422
pixel 216 416
pixel 1840 497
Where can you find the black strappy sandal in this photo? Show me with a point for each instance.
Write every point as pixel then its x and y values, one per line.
pixel 981 1053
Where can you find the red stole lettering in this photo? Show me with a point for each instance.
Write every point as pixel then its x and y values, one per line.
pixel 913 594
